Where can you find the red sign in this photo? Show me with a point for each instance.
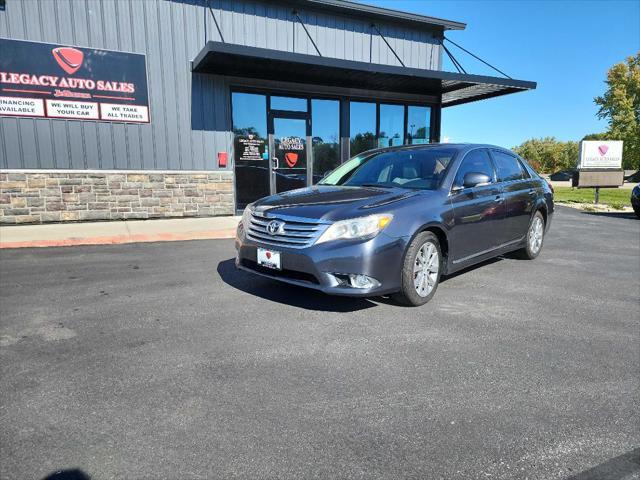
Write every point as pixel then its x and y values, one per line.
pixel 291 158
pixel 68 58
pixel 222 159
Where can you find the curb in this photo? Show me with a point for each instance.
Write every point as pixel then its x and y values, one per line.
pixel 122 239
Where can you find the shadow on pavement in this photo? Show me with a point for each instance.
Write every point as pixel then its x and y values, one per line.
pixel 72 474
pixel 615 469
pixel 626 215
pixel 470 268
pixel 284 293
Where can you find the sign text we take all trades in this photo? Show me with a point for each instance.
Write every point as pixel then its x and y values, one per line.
pixel 52 81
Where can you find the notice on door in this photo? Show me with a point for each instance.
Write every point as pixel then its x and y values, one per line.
pixel 22 107
pixel 249 148
pixel 67 109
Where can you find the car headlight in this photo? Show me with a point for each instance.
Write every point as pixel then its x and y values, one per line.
pixel 246 216
pixel 356 228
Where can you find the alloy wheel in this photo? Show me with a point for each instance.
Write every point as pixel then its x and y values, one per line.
pixel 536 233
pixel 425 269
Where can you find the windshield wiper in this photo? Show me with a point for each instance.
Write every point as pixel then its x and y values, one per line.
pixel 377 185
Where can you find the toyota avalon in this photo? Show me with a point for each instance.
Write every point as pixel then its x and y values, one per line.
pixel 392 221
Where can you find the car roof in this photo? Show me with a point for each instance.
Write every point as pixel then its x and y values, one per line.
pixel 461 147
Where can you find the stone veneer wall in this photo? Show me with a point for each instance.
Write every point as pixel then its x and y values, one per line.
pixel 39 196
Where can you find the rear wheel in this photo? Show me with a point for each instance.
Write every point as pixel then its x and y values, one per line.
pixel 421 271
pixel 637 210
pixel 535 237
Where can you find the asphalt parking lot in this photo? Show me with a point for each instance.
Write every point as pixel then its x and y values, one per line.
pixel 162 361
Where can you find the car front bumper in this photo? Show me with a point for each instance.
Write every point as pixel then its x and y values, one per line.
pixel 316 266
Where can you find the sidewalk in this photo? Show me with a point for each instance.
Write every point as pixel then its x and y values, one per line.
pixel 117 232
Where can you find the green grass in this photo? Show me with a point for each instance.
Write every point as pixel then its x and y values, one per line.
pixel 616 197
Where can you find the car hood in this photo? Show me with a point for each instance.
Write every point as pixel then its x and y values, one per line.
pixel 333 203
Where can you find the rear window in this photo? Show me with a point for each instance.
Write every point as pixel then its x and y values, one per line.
pixel 508 167
pixel 422 169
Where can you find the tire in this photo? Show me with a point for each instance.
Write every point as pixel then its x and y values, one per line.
pixel 533 246
pixel 637 211
pixel 426 244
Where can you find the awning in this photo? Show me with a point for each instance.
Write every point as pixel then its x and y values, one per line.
pixel 266 64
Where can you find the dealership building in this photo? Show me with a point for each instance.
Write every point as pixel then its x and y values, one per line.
pixel 125 109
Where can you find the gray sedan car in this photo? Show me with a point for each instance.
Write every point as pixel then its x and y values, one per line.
pixel 392 221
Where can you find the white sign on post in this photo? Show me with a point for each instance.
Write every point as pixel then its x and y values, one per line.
pixel 600 154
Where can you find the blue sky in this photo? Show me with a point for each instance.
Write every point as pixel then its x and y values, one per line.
pixel 565 46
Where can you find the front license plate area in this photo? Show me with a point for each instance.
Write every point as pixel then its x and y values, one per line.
pixel 269 258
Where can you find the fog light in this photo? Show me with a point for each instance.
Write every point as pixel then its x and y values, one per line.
pixel 363 281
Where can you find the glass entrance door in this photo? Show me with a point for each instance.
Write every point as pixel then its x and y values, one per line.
pixel 290 151
pixel 251 158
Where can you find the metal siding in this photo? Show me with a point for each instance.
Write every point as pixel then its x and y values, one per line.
pixel 4 150
pixel 190 113
pixel 144 154
pixel 193 34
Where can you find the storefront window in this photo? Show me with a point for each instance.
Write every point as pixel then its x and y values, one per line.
pixel 391 125
pixel 418 121
pixel 249 114
pixel 259 171
pixel 362 121
pixel 325 133
pixel 292 104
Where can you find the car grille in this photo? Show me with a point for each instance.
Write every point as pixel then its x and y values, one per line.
pixel 298 232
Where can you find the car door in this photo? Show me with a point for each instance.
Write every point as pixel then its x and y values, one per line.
pixel 519 194
pixel 478 212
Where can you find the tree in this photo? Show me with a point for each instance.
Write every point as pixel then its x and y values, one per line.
pixel 596 136
pixel 362 142
pixel 620 106
pixel 548 155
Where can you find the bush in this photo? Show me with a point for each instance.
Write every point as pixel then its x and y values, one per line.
pixel 548 155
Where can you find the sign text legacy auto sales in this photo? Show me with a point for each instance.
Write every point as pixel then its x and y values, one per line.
pixel 53 81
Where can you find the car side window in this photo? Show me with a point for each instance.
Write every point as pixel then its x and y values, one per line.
pixel 525 171
pixel 507 166
pixel 476 161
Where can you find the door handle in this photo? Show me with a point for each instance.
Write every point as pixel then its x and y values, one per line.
pixel 497 199
pixel 532 192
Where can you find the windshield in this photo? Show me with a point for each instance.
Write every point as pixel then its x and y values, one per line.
pixel 421 168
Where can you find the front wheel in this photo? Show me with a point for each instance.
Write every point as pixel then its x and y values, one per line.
pixel 421 271
pixel 535 237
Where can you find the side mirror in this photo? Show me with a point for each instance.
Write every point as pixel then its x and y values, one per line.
pixel 474 179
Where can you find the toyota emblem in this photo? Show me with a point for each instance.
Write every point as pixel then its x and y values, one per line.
pixel 275 227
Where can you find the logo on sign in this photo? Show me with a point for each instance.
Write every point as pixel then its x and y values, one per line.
pixel 69 59
pixel 291 158
pixel 603 149
pixel 275 227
